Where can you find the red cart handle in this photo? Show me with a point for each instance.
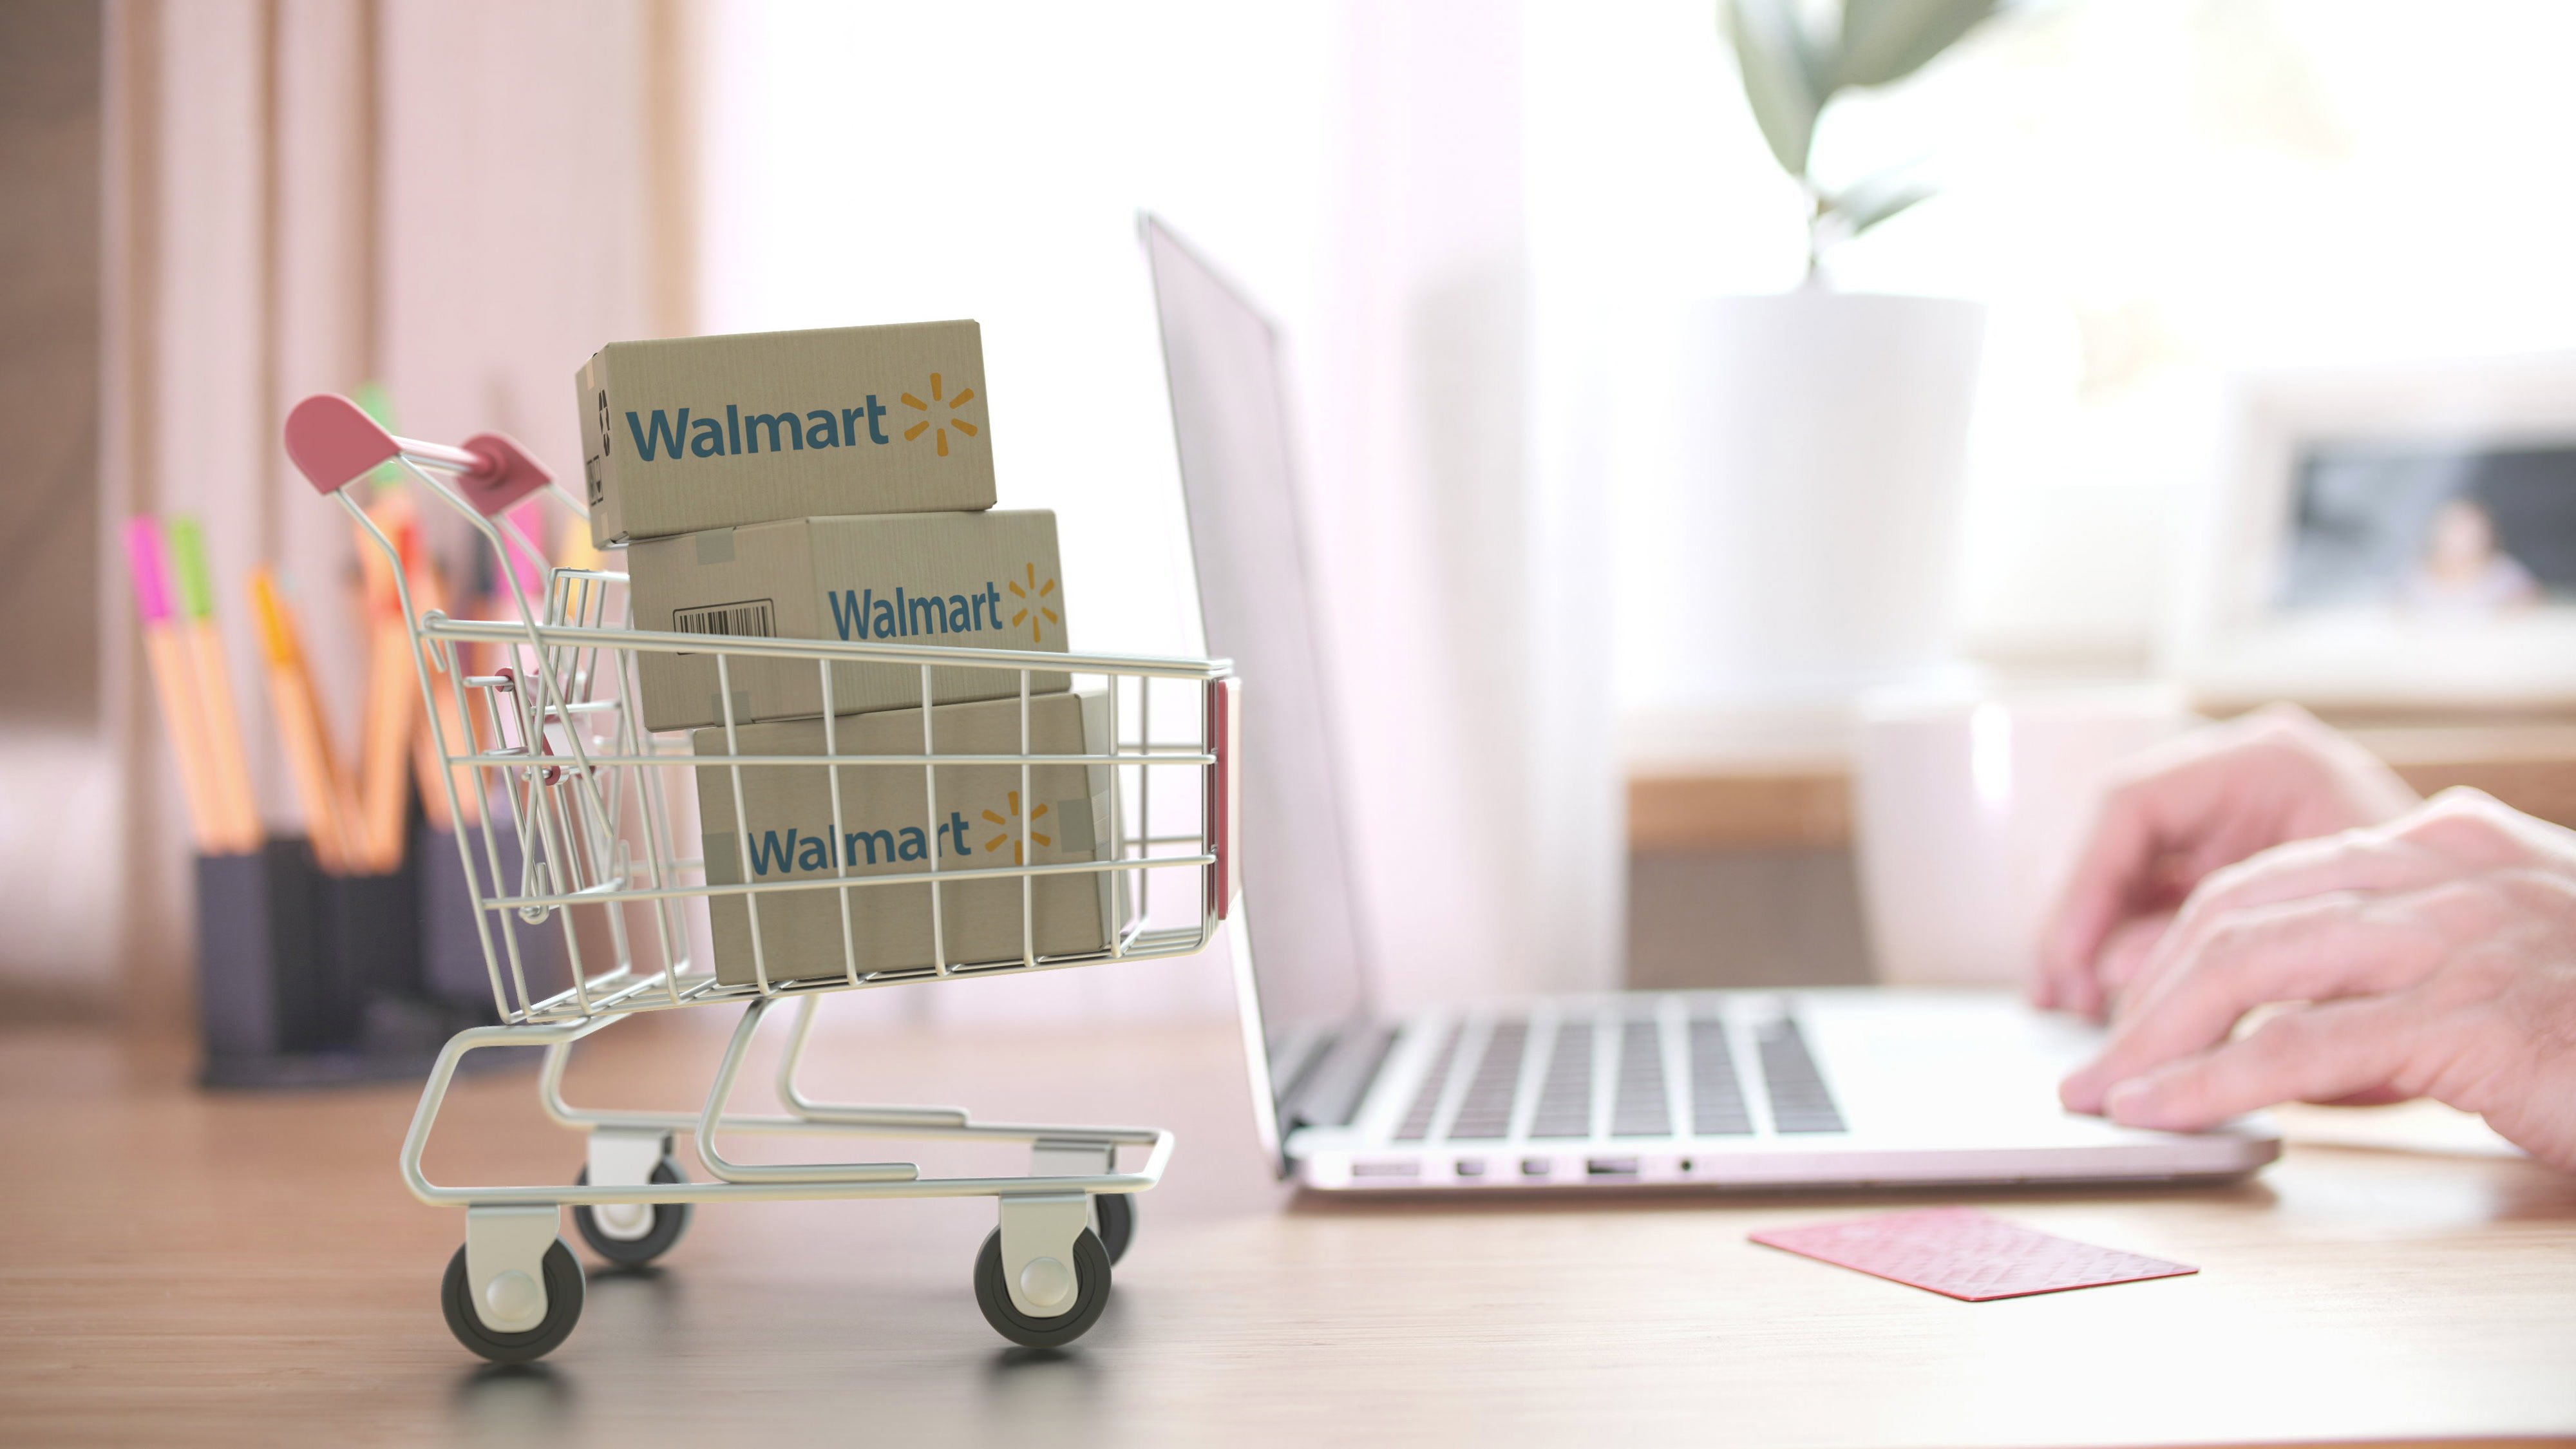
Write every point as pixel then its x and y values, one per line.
pixel 334 444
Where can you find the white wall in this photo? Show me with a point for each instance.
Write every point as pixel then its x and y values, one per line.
pixel 453 203
pixel 1358 169
pixel 2149 193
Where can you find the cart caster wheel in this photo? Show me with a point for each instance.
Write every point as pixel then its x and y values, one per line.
pixel 670 1220
pixel 563 1310
pixel 1091 1268
pixel 1117 1212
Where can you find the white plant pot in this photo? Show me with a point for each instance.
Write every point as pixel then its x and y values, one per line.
pixel 1823 449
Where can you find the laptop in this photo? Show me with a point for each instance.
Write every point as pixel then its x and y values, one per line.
pixel 1723 1089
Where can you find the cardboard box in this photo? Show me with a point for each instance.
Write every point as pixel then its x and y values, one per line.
pixel 886 829
pixel 982 580
pixel 693 433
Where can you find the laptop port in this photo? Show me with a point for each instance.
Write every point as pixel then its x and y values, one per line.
pixel 1535 1166
pixel 1386 1169
pixel 1611 1166
pixel 1471 1167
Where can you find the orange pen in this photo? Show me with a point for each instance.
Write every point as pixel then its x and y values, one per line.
pixel 392 700
pixel 318 785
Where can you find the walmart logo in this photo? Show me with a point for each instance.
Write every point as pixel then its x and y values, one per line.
pixel 665 434
pixel 1010 831
pixel 944 418
pixel 866 614
pixel 1031 597
pixel 799 850
pixel 788 852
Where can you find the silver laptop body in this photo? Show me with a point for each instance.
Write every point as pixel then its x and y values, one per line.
pixel 1775 1089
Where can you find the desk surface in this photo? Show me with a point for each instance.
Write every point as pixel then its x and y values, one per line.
pixel 183 1268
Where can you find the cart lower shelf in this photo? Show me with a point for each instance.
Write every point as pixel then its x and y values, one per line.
pixel 514 1291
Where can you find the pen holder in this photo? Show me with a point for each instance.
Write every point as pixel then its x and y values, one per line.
pixel 307 979
pixel 452 969
pixel 372 958
pixel 262 992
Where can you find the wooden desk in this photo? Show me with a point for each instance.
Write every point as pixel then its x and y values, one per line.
pixel 1806 802
pixel 182 1268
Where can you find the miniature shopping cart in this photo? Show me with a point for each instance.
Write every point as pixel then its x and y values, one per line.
pixel 566 823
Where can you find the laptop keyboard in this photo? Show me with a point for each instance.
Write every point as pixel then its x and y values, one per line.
pixel 1486 1114
pixel 1566 1088
pixel 1716 1097
pixel 1426 1103
pixel 1639 1109
pixel 1799 1101
pixel 1565 1096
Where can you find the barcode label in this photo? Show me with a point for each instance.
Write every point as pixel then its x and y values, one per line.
pixel 749 619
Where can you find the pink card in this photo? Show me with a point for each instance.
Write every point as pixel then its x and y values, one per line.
pixel 1966 1254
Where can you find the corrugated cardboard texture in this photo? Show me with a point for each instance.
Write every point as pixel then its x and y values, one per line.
pixel 762 426
pixel 886 828
pixel 981 580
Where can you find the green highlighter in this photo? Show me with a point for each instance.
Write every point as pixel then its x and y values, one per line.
pixel 228 764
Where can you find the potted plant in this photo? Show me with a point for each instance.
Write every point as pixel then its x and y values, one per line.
pixel 1824 433
pixel 1793 71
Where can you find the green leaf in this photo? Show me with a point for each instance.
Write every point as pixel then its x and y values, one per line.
pixel 1873 199
pixel 1782 76
pixel 1888 40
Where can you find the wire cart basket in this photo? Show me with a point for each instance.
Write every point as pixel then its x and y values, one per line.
pixel 565 821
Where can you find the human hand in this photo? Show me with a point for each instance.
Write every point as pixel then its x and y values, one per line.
pixel 2184 809
pixel 2431 957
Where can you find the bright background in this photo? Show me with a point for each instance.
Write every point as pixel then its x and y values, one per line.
pixel 1359 171
pixel 1474 221
pixel 2148 193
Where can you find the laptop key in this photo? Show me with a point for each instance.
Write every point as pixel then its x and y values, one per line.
pixel 1565 1096
pixel 1426 1098
pixel 1639 1109
pixel 1717 1098
pixel 1799 1099
pixel 1487 1111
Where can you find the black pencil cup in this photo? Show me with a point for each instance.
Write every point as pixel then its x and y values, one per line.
pixel 307 979
pixel 263 992
pixel 453 971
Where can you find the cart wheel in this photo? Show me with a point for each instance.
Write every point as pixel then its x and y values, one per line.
pixel 1091 1268
pixel 670 1220
pixel 1117 1212
pixel 563 1310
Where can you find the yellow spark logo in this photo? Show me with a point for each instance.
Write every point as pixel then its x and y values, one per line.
pixel 947 406
pixel 1010 834
pixel 1034 598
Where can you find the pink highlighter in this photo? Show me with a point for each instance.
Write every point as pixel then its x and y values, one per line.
pixel 173 678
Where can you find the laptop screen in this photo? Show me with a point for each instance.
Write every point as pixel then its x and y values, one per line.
pixel 1230 419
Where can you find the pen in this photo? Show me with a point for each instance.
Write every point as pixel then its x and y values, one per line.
pixel 447 724
pixel 170 680
pixel 391 701
pixel 227 762
pixel 318 786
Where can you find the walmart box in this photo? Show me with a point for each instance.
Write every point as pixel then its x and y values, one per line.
pixel 889 825
pixel 691 433
pixel 980 580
